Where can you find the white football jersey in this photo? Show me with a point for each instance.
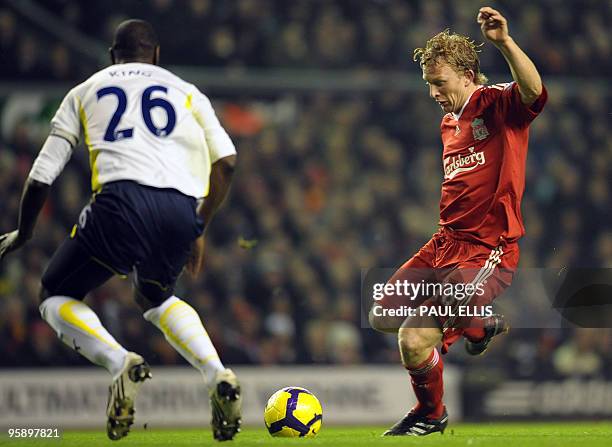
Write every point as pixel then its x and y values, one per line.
pixel 142 123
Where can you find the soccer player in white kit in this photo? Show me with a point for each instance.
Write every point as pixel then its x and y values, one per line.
pixel 157 151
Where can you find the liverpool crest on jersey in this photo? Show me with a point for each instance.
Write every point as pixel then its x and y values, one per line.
pixel 479 130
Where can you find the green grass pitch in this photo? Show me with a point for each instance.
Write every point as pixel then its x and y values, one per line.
pixel 590 434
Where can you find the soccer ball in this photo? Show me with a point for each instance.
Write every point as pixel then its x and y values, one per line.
pixel 293 412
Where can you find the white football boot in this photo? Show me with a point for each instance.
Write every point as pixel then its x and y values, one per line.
pixel 226 405
pixel 122 395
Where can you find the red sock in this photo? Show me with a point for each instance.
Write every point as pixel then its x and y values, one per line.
pixel 428 386
pixel 474 329
pixel 474 334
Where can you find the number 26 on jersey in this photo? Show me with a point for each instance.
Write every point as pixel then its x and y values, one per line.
pixel 147 105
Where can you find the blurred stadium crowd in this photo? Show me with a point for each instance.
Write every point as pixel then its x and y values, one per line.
pixel 328 184
pixel 366 34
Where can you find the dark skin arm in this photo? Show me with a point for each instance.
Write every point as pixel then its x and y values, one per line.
pixel 32 200
pixel 220 179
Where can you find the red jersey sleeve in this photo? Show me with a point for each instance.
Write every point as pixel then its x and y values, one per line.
pixel 511 109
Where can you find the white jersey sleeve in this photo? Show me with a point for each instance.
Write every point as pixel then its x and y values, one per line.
pixel 66 123
pixel 51 159
pixel 64 135
pixel 219 143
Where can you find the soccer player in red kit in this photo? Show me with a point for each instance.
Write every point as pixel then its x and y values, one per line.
pixel 485 132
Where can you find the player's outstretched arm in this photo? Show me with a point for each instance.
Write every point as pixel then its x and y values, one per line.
pixel 494 27
pixel 220 179
pixel 33 198
pixel 50 162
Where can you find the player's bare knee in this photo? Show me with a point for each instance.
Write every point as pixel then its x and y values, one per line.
pixel 410 340
pixel 148 295
pixel 413 345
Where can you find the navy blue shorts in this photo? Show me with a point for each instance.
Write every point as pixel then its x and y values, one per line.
pixel 127 227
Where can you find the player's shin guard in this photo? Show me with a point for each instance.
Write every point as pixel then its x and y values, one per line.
pixel 428 386
pixel 183 329
pixel 80 328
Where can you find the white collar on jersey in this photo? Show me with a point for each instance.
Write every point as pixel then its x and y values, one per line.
pixel 458 115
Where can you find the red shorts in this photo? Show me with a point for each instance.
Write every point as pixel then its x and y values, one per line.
pixel 449 260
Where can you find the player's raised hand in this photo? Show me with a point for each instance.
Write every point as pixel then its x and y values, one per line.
pixel 10 242
pixel 493 25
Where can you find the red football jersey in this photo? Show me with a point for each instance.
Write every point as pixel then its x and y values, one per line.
pixel 485 150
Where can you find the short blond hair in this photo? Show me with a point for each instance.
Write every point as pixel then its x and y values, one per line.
pixel 459 51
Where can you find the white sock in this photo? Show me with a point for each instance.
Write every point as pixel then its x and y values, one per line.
pixel 183 329
pixel 80 328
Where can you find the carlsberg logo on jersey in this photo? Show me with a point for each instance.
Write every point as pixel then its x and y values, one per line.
pixel 462 163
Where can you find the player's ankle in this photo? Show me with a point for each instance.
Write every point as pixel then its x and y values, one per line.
pixel 437 412
pixel 429 412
